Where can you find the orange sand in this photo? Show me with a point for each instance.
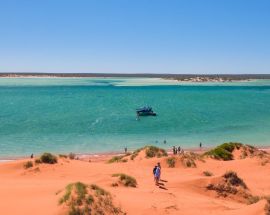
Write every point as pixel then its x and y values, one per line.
pixel 34 191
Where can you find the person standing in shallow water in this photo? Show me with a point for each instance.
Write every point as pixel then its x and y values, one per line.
pixel 125 150
pixel 200 145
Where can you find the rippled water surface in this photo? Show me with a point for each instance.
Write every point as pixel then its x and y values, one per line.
pixel 87 115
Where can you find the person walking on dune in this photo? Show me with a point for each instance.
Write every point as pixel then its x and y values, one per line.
pixel 157 175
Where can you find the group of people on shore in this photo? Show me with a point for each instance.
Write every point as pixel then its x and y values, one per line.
pixel 177 150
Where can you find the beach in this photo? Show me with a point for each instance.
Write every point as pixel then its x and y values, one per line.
pixel 182 190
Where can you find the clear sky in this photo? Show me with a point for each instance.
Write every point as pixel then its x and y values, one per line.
pixel 135 36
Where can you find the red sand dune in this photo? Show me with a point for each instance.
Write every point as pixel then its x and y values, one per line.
pixel 34 190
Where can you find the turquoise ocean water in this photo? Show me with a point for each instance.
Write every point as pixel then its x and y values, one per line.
pixel 85 115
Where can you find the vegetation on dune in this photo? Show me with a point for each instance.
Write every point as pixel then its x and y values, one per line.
pixel 28 164
pixel 171 162
pixel 230 185
pixel 153 151
pixel 48 158
pixel 135 153
pixel 224 151
pixel 188 159
pixel 38 161
pixel 117 159
pixel 150 152
pixel 126 180
pixel 207 173
pixel 88 199
pixel 233 179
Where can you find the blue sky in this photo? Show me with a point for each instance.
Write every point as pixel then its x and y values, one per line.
pixel 125 36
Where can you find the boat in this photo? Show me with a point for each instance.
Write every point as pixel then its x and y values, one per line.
pixel 145 111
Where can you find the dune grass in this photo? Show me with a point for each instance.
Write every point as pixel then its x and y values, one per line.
pixel 83 199
pixel 233 179
pixel 28 164
pixel 153 151
pixel 171 162
pixel 126 180
pixel 224 151
pixel 48 158
pixel 118 159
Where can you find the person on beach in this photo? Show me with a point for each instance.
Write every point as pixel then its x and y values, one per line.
pixel 164 141
pixel 179 150
pixel 125 150
pixel 157 174
pixel 174 150
pixel 154 172
pixel 158 164
pixel 32 155
pixel 200 146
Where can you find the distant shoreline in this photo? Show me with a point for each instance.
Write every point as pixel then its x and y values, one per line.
pixel 179 77
pixel 108 154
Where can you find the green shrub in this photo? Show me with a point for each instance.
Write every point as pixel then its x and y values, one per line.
pixel 126 180
pixel 84 199
pixel 224 151
pixel 48 158
pixel 153 151
pixel 28 164
pixel 171 162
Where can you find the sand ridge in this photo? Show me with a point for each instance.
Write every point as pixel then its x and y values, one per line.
pixel 182 190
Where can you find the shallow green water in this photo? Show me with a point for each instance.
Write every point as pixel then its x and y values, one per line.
pixel 97 115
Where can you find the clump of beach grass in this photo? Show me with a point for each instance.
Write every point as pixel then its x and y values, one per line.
pixel 230 184
pixel 28 164
pixel 82 199
pixel 207 173
pixel 135 153
pixel 48 158
pixel 126 180
pixel 117 159
pixel 171 162
pixel 188 159
pixel 153 151
pixel 232 178
pixel 150 152
pixel 224 151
